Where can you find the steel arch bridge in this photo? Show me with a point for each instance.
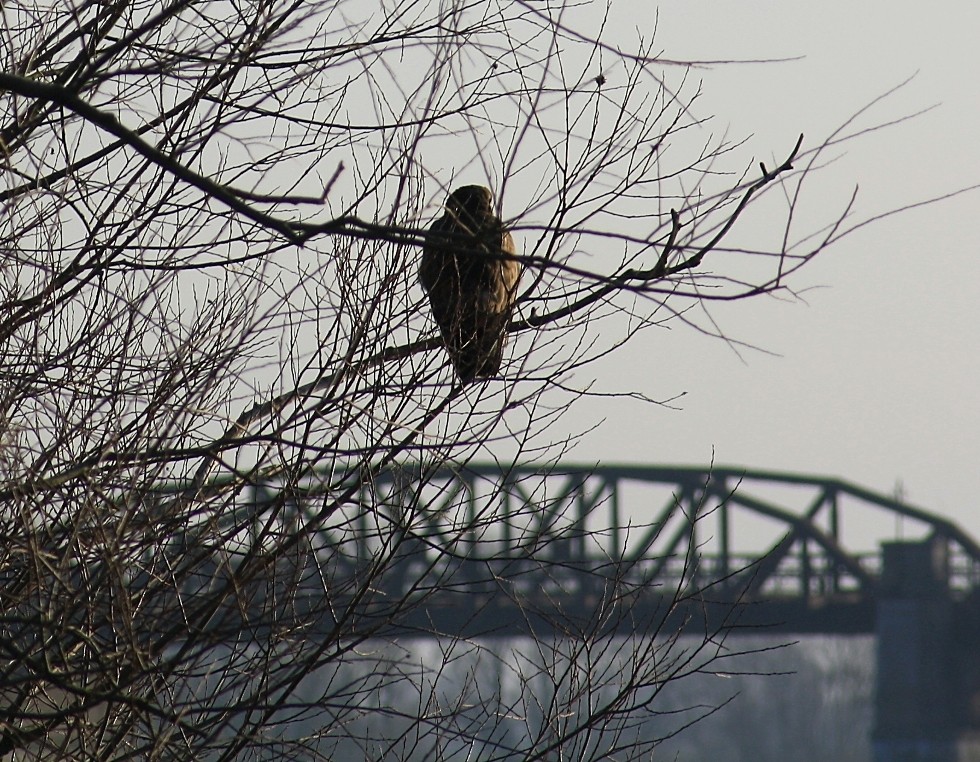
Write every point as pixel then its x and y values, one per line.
pixel 486 551
pixel 491 550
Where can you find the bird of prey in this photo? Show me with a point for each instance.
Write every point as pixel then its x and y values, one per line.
pixel 470 276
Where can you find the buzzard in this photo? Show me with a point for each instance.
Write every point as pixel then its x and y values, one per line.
pixel 470 281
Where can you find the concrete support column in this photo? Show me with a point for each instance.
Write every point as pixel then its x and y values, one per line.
pixel 918 704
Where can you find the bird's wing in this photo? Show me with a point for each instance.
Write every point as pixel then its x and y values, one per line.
pixel 510 269
pixel 433 254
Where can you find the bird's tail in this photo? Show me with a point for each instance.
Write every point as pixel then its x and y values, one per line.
pixel 480 360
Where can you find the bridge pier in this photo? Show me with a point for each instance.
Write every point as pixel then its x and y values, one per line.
pixel 927 703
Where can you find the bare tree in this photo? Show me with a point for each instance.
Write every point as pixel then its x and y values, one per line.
pixel 227 415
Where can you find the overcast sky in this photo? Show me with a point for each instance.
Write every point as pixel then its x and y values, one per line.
pixel 876 377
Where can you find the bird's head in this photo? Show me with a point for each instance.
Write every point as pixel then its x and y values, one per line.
pixel 470 201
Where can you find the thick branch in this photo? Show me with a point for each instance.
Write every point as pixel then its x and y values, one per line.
pixel 54 94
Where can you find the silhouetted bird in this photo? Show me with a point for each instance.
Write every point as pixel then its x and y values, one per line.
pixel 470 281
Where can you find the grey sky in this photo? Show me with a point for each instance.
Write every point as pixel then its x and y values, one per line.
pixel 878 374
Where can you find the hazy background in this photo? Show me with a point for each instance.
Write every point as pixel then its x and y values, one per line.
pixel 875 378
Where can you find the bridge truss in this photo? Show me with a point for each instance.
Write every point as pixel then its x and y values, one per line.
pixel 485 550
